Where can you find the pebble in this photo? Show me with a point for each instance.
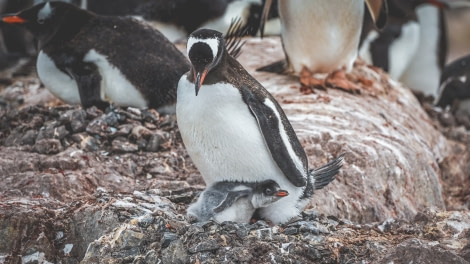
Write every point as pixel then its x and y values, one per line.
pixel 120 144
pixel 48 146
pixel 29 138
pixel 206 245
pixel 139 132
pixel 167 238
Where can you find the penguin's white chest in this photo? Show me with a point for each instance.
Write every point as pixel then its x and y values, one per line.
pixel 401 51
pixel 321 35
pixel 224 141
pixel 425 61
pixel 56 81
pixel 221 135
pixel 114 85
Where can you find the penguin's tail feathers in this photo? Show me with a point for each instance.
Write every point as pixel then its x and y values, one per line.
pixel 234 37
pixel 325 174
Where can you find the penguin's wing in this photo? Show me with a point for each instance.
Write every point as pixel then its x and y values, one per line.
pixel 230 199
pixel 378 11
pixel 88 80
pixel 278 134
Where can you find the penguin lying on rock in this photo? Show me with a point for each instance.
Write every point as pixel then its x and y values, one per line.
pixel 235 131
pixel 95 60
pixel 234 201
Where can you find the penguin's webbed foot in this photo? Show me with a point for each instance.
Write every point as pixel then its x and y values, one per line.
pixel 309 82
pixel 339 80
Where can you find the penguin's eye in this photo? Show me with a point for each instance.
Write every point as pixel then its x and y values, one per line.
pixel 41 21
pixel 268 191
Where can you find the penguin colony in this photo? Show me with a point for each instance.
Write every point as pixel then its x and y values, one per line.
pixel 236 133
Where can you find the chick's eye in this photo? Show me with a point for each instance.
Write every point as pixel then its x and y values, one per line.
pixel 268 191
pixel 41 21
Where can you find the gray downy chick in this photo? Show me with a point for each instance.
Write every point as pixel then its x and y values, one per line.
pixel 234 201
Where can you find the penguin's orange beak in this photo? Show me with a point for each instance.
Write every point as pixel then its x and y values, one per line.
pixel 281 193
pixel 13 19
pixel 199 79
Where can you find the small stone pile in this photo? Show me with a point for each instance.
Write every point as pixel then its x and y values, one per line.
pixel 156 233
pixel 49 130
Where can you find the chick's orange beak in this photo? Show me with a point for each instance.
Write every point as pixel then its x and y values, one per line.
pixel 282 193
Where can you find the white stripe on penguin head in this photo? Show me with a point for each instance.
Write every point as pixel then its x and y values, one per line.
pixel 45 12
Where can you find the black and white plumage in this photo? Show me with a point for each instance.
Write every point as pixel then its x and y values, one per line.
pixel 233 128
pixel 412 47
pixel 454 90
pixel 177 18
pixel 234 201
pixel 322 36
pixel 95 60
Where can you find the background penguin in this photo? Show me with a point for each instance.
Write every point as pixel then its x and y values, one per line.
pixel 234 201
pixel 321 36
pixel 234 130
pixel 176 19
pixel 93 60
pixel 412 48
pixel 18 41
pixel 454 91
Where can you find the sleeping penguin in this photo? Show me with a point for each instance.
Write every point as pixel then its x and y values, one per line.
pixel 96 60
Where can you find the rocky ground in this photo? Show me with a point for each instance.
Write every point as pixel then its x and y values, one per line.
pixel 85 186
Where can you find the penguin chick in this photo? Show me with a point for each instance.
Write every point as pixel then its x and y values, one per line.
pixel 234 201
pixel 96 60
pixel 234 129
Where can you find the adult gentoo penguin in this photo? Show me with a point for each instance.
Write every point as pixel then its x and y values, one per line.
pixel 412 47
pixel 234 130
pixel 234 201
pixel 321 36
pixel 95 60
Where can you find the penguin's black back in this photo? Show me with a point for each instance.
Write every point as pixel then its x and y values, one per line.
pixel 143 55
pixel 189 14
